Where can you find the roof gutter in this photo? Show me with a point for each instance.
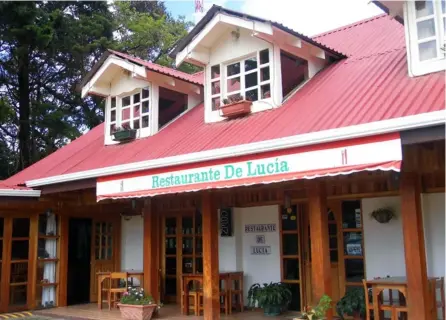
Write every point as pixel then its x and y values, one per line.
pixel 19 193
pixel 357 131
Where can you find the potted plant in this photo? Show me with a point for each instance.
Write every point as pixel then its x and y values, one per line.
pixel 235 106
pixel 136 305
pixel 317 312
pixel 124 133
pixel 352 304
pixel 273 297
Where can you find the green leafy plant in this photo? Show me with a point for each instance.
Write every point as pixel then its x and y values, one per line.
pixel 353 303
pixel 136 296
pixel 319 311
pixel 270 294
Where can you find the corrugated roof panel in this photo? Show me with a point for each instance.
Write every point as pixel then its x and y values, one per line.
pixel 371 85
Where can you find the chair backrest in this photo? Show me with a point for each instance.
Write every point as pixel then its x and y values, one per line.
pixel 119 276
pixel 368 305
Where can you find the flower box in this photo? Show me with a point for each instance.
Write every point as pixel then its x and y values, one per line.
pixel 236 109
pixel 137 312
pixel 124 135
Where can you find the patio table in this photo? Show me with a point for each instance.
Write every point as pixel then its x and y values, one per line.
pixel 400 284
pixel 102 275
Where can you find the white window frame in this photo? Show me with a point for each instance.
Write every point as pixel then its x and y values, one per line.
pixel 223 78
pixel 118 122
pixel 416 66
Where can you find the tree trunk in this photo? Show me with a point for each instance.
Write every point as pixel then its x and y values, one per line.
pixel 24 108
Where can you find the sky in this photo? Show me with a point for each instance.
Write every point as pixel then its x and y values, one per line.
pixel 309 17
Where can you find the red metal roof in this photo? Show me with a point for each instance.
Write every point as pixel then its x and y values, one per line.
pixel 194 78
pixel 5 186
pixel 372 84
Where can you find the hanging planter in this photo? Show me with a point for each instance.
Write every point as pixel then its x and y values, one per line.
pixel 383 215
pixel 124 134
pixel 235 107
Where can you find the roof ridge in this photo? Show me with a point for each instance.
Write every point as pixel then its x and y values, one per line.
pixel 354 59
pixel 349 26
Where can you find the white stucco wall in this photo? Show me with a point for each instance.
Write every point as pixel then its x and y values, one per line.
pixel 434 232
pixel 132 234
pixel 234 252
pixel 384 244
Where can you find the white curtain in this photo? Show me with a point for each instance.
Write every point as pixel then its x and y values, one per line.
pixel 49 269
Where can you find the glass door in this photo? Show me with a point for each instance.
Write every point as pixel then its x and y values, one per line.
pixel 170 258
pixel 290 253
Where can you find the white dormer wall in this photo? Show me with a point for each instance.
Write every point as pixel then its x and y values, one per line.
pixel 228 50
pixel 120 82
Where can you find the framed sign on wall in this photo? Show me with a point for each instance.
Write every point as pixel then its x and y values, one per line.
pixel 226 222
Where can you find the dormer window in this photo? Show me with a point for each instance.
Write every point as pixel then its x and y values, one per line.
pixel 427 29
pixel 249 78
pixel 131 111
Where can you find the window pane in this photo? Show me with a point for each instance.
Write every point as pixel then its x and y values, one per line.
pixel 252 95
pixel 136 124
pixel 353 243
pixel 443 6
pixel 113 115
pixel 289 219
pixel 145 93
pixel 125 101
pixel 290 244
pixel 428 50
pixel 264 56
pixel 145 122
pixel 112 128
pixel 264 74
pixel 171 266
pixel 215 103
pixel 250 64
pixel 47 249
pixel 125 114
pixel 215 86
pixel 136 98
pixel 145 107
pixel 215 71
pixel 426 29
pixel 351 214
pixel 233 69
pixel 251 80
pixel 291 269
pixel 188 265
pixel 20 227
pixel 424 8
pixel 266 91
pixel 2 222
pixel 233 84
pixel 113 102
pixel 17 295
pixel 236 96
pixel 19 272
pixel 333 255
pixel 354 270
pixel 136 111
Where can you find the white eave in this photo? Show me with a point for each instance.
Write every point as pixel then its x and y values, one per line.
pixel 357 131
pixel 19 193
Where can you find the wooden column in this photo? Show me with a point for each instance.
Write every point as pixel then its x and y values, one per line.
pixel 210 258
pixel 62 273
pixel 32 260
pixel 414 249
pixel 320 255
pixel 150 247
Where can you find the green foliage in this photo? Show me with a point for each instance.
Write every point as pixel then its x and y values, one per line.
pixel 319 311
pixel 136 296
pixel 270 294
pixel 352 302
pixel 45 50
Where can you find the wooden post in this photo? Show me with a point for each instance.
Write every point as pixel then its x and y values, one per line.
pixel 320 255
pixel 32 260
pixel 210 258
pixel 62 273
pixel 414 249
pixel 150 247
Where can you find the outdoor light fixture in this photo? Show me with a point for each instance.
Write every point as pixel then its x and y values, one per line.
pixel 383 215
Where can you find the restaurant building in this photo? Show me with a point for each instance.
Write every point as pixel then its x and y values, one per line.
pixel 330 170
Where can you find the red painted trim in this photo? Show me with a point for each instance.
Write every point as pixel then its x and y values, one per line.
pixel 387 166
pixel 323 146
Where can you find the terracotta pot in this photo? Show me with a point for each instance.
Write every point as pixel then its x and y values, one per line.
pixel 236 109
pixel 137 312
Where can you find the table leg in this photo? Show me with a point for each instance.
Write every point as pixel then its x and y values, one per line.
pixel 100 292
pixel 186 299
pixel 375 294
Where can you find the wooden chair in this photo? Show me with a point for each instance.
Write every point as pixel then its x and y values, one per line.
pixel 195 295
pixel 236 291
pixel 392 308
pixel 115 287
pixel 224 293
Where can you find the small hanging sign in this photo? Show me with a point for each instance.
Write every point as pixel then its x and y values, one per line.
pixel 226 222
